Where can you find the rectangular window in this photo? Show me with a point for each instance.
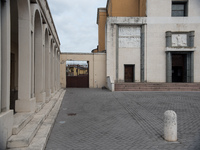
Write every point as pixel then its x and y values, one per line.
pixel 179 8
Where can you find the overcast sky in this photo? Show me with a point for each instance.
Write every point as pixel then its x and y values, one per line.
pixel 75 21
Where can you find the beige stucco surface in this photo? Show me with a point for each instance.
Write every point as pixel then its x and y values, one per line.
pixel 97 67
pixel 159 21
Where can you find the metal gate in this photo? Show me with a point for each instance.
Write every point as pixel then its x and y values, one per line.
pixel 77 76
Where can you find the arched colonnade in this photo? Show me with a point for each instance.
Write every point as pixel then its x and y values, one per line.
pixel 29 56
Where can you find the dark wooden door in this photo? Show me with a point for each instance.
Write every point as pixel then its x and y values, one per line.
pixel 179 68
pixel 78 81
pixel 129 73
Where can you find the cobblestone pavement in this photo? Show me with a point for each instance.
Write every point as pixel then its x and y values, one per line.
pixel 95 119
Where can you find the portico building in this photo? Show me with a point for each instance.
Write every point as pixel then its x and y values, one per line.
pixel 29 59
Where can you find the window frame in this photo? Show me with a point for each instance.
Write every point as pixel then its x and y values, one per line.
pixel 185 3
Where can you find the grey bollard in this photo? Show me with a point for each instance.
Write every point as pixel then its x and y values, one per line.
pixel 170 126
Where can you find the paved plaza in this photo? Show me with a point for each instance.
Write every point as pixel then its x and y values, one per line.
pixel 96 119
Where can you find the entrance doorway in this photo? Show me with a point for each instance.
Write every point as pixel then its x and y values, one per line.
pixel 129 73
pixel 179 68
pixel 77 74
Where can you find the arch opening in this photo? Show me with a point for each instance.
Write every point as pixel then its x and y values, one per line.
pixel 38 58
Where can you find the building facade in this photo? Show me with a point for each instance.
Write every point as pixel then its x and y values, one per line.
pixel 150 40
pixel 29 59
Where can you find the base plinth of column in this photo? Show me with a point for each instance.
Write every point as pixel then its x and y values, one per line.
pixel 48 95
pixel 25 105
pixel 41 97
pixel 6 125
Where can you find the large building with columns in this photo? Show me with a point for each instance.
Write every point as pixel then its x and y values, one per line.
pixel 29 59
pixel 150 41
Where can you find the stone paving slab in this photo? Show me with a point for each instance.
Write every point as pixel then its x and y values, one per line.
pixel 95 119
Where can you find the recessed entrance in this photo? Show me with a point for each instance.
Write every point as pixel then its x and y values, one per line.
pixel 77 74
pixel 179 68
pixel 129 73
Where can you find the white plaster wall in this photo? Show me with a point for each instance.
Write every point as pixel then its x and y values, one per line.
pixel 99 71
pixel 158 8
pixel 157 23
pixel 156 56
pixel 111 52
pixel 160 21
pixel 194 10
pixel 129 56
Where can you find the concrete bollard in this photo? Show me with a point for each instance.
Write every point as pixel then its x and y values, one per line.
pixel 170 126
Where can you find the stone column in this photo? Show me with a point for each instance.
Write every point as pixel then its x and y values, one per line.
pixel 55 69
pixel 0 54
pixel 168 39
pixel 142 53
pixel 168 67
pixel 47 70
pixel 58 70
pixel 32 67
pixel 50 64
pixel 5 55
pixel 170 126
pixel 52 69
pixel 25 102
pixel 191 39
pixel 188 63
pixel 192 67
pixel 6 115
pixel 116 29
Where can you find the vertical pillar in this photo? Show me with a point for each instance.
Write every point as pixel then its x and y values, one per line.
pixel 50 64
pixel 43 70
pixel 52 67
pixel 168 39
pixel 142 53
pixel 191 39
pixel 192 67
pixel 32 67
pixel 47 69
pixel 5 53
pixel 6 115
pixel 168 57
pixel 24 103
pixel 169 67
pixel 58 70
pixel 188 67
pixel 117 51
pixel 0 55
pixel 55 69
pixel 191 44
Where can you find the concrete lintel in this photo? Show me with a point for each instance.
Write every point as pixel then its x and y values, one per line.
pixel 180 49
pixel 69 53
pixel 127 20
